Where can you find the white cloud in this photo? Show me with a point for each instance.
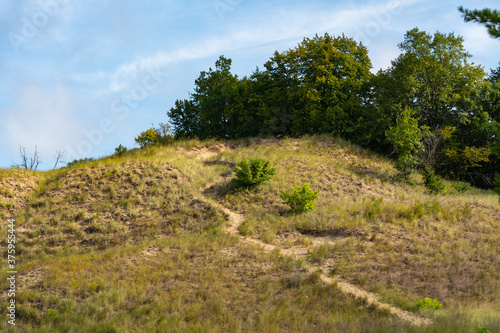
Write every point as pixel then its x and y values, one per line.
pixel 40 117
pixel 286 24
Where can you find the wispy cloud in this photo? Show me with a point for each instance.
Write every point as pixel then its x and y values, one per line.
pixel 285 24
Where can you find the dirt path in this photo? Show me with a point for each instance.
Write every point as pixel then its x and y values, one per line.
pixel 235 219
pixel 297 252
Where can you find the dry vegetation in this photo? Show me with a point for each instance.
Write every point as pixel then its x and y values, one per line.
pixel 15 187
pixel 137 244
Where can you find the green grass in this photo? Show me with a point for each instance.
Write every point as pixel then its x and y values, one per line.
pixel 191 284
pixel 132 243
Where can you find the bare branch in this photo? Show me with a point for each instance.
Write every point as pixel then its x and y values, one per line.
pixel 58 155
pixel 35 160
pixel 28 163
pixel 430 143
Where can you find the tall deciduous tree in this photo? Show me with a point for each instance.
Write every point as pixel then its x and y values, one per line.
pixel 488 17
pixel 406 138
pixel 321 82
pixel 433 76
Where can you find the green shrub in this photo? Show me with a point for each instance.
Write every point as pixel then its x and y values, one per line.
pixel 461 187
pixel 433 183
pixel 161 135
pixel 252 172
pixel 147 138
pixel 482 330
pixel 120 150
pixel 79 161
pixel 429 303
pixel 300 199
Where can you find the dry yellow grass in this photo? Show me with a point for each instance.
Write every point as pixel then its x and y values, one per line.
pixel 137 243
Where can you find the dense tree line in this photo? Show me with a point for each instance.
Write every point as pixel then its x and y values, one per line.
pixel 325 85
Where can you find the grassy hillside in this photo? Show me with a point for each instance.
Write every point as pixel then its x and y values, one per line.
pixel 162 240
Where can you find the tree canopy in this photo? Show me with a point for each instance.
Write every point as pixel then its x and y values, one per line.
pixel 324 85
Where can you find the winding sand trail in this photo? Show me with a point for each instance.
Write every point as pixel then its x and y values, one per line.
pixel 236 219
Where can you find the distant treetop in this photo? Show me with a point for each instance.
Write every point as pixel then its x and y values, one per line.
pixel 490 18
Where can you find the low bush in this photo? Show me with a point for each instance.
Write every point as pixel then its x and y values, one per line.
pixel 301 198
pixel 161 135
pixel 429 303
pixel 252 172
pixel 79 161
pixel 461 187
pixel 120 150
pixel 433 183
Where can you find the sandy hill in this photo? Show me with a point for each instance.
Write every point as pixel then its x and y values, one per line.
pixel 161 240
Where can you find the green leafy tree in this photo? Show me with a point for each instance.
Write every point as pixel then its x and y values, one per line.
pixel 184 117
pixel 214 96
pixel 495 75
pixel 459 154
pixel 147 138
pixel 433 77
pixel 322 83
pixel 406 138
pixel 488 17
pixel 213 109
pixel 491 20
pixel 277 96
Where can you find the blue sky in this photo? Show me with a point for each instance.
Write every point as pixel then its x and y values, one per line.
pixel 85 76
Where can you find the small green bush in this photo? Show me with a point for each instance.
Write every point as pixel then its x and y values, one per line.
pixel 429 303
pixel 300 199
pixel 80 161
pixel 252 172
pixel 161 135
pixel 120 150
pixel 461 187
pixel 433 183
pixel 482 330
